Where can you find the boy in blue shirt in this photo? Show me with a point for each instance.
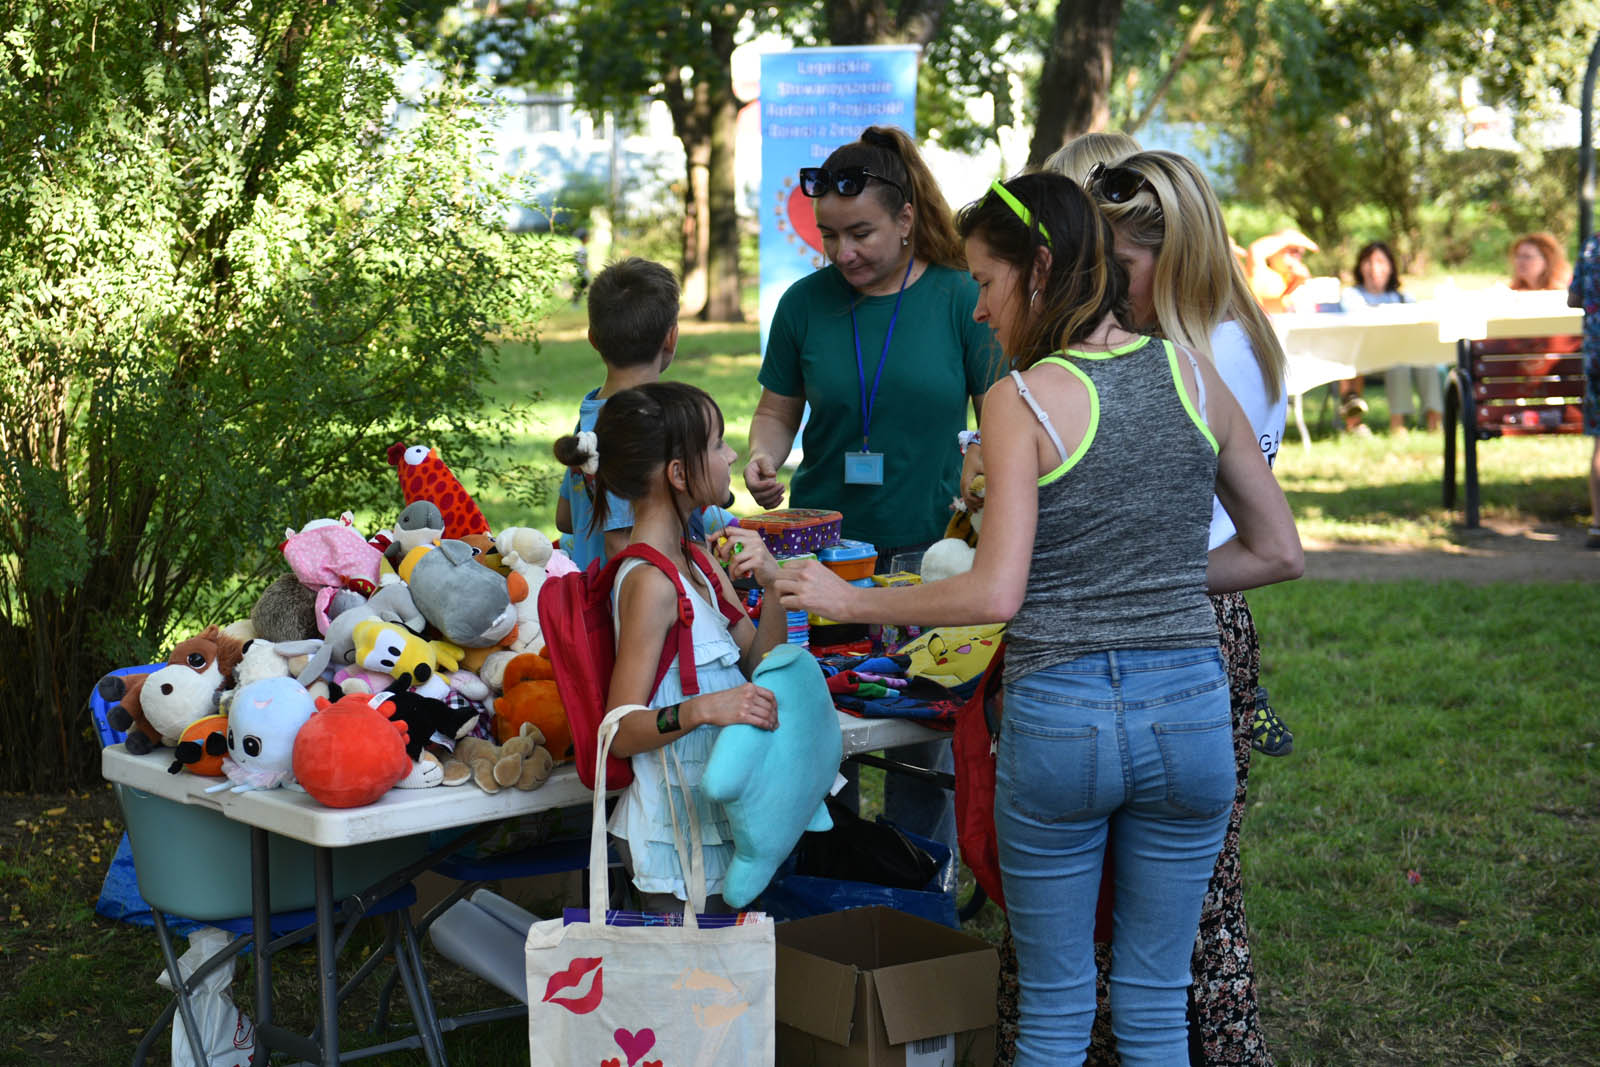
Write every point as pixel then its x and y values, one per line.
pixel 633 324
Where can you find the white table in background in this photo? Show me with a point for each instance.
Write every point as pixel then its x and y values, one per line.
pixel 1333 346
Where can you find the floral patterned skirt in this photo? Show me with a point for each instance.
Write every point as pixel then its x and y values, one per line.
pixel 1224 1022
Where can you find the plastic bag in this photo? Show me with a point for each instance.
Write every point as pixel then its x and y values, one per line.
pixel 226 1033
pixel 859 850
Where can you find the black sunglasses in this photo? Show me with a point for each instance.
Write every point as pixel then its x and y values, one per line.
pixel 1117 185
pixel 846 181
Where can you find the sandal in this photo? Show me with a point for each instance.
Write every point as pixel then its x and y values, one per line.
pixel 1268 735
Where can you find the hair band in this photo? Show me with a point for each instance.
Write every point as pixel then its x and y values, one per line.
pixel 1019 208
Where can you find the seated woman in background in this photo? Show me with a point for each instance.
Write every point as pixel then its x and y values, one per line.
pixel 1377 275
pixel 1537 262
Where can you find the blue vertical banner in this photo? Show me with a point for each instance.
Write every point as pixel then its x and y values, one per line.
pixel 812 101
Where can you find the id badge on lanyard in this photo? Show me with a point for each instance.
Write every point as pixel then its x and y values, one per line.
pixel 866 466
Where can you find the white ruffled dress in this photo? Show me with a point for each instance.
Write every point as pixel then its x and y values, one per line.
pixel 642 817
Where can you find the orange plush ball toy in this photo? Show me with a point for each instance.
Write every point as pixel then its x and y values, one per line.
pixel 531 697
pixel 351 752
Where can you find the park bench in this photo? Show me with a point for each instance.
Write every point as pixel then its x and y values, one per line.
pixel 1508 387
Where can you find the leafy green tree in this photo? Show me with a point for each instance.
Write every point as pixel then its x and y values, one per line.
pixel 615 55
pixel 1331 106
pixel 230 282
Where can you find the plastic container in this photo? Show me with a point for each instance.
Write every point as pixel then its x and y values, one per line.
pixel 850 560
pixel 792 531
pixel 196 862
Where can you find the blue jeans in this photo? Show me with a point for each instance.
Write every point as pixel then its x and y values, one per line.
pixel 1139 744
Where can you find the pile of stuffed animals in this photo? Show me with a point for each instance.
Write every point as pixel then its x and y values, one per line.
pixel 407 659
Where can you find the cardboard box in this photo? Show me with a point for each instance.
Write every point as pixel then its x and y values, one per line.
pixel 874 987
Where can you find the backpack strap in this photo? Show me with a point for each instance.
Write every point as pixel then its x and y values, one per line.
pixel 732 612
pixel 679 643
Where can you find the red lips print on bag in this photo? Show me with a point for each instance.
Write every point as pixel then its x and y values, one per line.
pixel 573 988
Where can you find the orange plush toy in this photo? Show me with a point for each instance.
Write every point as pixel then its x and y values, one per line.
pixel 531 697
pixel 352 751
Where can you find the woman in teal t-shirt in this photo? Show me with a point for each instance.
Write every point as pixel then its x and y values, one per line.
pixel 882 344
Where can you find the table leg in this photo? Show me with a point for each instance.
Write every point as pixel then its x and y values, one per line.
pixel 327 956
pixel 1297 405
pixel 261 918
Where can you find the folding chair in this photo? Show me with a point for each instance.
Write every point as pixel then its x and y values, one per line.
pixel 193 863
pixel 471 873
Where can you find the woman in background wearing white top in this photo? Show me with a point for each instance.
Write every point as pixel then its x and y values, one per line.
pixel 1377 277
pixel 1186 285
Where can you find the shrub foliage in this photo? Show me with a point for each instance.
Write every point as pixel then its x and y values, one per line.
pixel 232 271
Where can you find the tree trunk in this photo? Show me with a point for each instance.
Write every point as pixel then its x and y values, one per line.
pixel 1076 79
pixel 870 21
pixel 691 121
pixel 722 189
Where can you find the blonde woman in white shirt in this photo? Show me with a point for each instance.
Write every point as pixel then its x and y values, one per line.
pixel 1186 284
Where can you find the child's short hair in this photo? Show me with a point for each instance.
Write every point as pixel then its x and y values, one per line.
pixel 633 304
pixel 638 432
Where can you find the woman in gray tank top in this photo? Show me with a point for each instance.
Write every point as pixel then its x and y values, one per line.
pixel 1102 450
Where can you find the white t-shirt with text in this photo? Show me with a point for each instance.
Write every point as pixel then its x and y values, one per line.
pixel 1236 362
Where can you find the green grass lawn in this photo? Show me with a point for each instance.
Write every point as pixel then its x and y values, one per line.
pixel 1386 489
pixel 1422 871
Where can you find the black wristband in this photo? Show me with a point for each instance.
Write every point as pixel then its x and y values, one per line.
pixel 667 719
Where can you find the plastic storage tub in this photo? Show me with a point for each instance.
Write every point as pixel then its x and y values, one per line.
pixel 792 531
pixel 195 862
pixel 850 560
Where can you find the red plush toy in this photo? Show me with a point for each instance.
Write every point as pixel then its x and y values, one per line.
pixel 352 751
pixel 424 476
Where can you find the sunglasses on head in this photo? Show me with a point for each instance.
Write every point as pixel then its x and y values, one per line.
pixel 846 181
pixel 1117 185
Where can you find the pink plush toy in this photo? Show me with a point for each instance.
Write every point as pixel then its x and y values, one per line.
pixel 328 555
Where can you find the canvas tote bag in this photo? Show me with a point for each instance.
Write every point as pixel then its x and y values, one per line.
pixel 649 996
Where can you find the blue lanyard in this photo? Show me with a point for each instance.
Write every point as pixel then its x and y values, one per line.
pixel 867 404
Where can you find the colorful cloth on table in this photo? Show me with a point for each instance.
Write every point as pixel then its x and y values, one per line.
pixel 903 697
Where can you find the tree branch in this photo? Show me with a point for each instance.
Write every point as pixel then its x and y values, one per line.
pixel 1190 39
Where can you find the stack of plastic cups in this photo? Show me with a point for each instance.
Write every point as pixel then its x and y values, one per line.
pixel 799 628
pixel 799 624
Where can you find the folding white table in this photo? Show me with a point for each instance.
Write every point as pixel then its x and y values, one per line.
pixel 397 814
pixel 1333 346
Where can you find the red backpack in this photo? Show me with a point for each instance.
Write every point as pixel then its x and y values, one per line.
pixel 581 640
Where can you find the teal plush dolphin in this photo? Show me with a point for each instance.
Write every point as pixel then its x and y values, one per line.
pixel 772 782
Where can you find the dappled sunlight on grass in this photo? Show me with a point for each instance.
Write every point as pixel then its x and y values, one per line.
pixel 1389 489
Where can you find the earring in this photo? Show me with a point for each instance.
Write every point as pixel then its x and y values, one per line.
pixel 903 241
pixel 1032 297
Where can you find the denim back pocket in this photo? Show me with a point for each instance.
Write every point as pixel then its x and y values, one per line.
pixel 1198 760
pixel 1047 772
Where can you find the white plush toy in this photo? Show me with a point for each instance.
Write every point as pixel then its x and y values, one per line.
pixel 262 724
pixel 524 542
pixel 946 558
pixel 526 551
pixel 283 659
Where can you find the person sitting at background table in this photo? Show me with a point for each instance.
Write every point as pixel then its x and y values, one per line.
pixel 1377 276
pixel 1278 275
pixel 1538 263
